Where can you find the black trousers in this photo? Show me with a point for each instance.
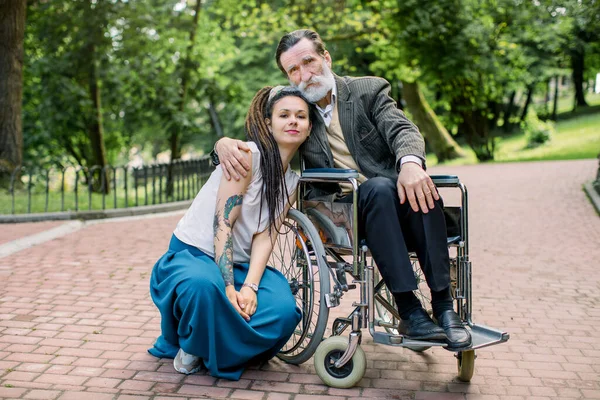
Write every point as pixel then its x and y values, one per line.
pixel 392 229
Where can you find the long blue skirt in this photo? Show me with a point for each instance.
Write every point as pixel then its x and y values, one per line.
pixel 196 315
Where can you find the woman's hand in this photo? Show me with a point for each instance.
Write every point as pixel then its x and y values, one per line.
pixel 231 158
pixel 236 300
pixel 249 299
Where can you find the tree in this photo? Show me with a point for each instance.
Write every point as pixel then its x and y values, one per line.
pixel 443 42
pixel 172 75
pixel 585 28
pixel 67 52
pixel 95 27
pixel 478 55
pixel 12 28
pixel 437 136
pixel 185 68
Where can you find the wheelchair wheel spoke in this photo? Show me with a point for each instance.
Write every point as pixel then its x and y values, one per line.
pixel 297 258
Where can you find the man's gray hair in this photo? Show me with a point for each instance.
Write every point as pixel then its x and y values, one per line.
pixel 289 40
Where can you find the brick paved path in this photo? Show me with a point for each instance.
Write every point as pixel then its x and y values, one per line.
pixel 17 231
pixel 76 318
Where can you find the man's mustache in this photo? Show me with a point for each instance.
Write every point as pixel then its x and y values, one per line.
pixel 312 80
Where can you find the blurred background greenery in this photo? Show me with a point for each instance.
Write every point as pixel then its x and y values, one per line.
pixel 115 82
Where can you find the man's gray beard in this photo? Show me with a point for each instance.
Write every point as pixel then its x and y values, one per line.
pixel 316 93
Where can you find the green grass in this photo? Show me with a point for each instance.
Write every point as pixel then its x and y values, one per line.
pixel 565 103
pixel 576 138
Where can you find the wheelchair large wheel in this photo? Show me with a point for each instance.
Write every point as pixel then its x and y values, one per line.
pixel 300 256
pixel 332 350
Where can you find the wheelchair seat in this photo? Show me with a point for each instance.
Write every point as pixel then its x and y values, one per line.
pixel 334 221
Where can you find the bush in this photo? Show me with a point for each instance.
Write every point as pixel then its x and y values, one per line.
pixel 537 131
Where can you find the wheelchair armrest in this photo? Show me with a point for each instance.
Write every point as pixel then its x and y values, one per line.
pixel 333 174
pixel 445 180
pixel 339 174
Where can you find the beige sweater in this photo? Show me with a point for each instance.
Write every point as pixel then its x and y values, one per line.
pixel 341 155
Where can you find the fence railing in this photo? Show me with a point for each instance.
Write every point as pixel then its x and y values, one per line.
pixel 76 188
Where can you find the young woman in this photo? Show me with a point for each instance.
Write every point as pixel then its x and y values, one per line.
pixel 221 306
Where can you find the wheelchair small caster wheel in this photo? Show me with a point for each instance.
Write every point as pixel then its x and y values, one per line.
pixel 328 352
pixel 466 365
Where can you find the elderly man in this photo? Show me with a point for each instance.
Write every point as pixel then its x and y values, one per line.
pixel 398 205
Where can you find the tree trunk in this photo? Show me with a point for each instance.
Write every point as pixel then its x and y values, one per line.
pixel 396 94
pixel 496 109
pixel 442 143
pixel 95 125
pixel 96 132
pixel 547 96
pixel 214 120
pixel 508 111
pixel 577 64
pixel 527 102
pixel 185 73
pixel 555 100
pixel 475 126
pixel 12 29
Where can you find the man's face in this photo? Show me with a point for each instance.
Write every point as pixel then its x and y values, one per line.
pixel 308 71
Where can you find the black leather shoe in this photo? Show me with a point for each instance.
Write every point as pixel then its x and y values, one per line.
pixel 420 326
pixel 458 337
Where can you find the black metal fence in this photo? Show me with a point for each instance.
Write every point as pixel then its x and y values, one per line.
pixel 76 188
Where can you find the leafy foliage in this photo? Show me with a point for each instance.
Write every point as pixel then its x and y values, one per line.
pixel 477 59
pixel 476 55
pixel 537 132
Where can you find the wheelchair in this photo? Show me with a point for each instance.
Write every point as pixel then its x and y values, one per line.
pixel 318 252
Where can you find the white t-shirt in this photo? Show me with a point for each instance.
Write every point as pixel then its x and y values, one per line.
pixel 196 226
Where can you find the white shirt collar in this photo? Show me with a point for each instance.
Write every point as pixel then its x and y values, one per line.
pixel 327 112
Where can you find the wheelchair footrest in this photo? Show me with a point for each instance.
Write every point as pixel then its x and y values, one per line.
pixel 484 336
pixel 399 340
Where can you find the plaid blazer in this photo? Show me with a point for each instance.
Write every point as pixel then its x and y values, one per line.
pixel 377 133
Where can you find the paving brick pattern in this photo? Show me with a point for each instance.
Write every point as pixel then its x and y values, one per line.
pixel 15 231
pixel 76 317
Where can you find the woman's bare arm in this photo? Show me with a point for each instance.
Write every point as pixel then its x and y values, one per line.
pixel 228 207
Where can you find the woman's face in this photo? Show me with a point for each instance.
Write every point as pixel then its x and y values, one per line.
pixel 290 123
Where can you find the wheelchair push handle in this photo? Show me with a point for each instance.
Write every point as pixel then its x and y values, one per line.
pixel 445 180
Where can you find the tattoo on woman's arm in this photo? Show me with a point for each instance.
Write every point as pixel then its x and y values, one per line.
pixel 224 260
pixel 216 225
pixel 230 204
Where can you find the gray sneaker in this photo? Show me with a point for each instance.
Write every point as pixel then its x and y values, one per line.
pixel 187 363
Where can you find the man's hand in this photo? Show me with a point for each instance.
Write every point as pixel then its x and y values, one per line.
pixel 237 301
pixel 250 301
pixel 415 185
pixel 231 158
